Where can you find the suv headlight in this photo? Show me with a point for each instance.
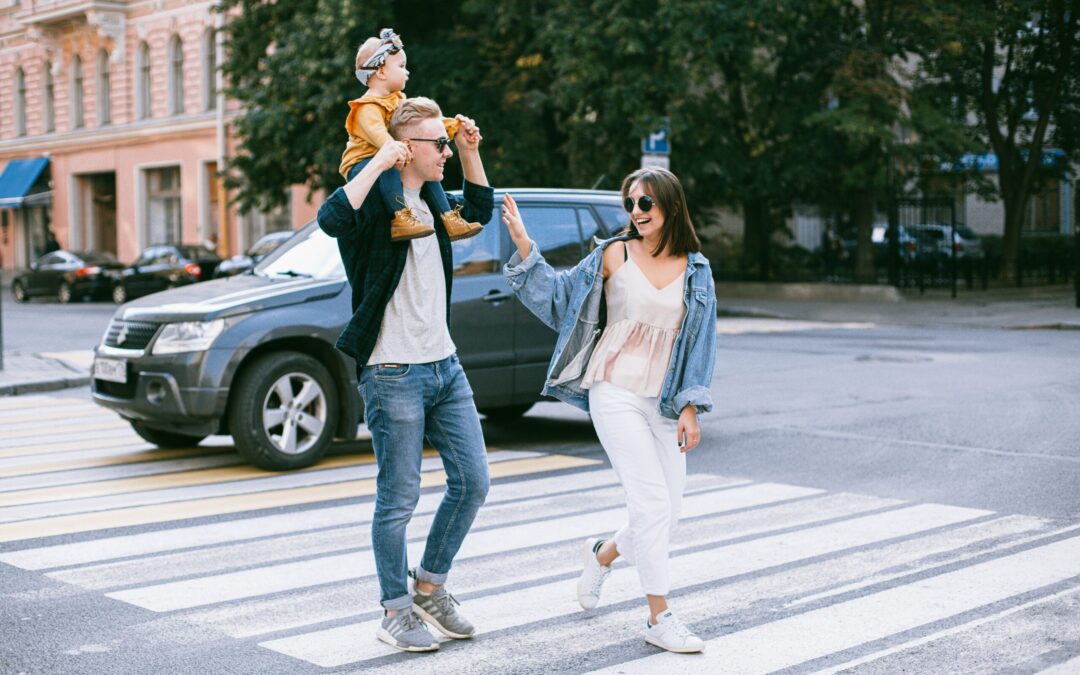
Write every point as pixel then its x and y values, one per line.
pixel 188 336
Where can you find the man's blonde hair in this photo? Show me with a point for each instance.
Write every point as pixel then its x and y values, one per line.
pixel 411 112
pixel 366 50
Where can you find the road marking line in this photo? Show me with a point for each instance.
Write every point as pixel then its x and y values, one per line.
pixel 287 576
pixel 881 440
pixel 352 643
pixel 952 631
pixel 173 511
pixel 66 429
pixel 196 536
pixel 837 628
pixel 277 481
pixel 148 455
pixel 24 402
pixel 52 415
pixel 122 486
pixel 65 446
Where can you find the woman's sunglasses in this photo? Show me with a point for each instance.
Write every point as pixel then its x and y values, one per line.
pixel 441 143
pixel 644 202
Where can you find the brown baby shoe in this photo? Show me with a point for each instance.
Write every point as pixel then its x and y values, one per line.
pixel 459 228
pixel 406 225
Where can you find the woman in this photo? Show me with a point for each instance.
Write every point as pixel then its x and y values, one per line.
pixel 643 372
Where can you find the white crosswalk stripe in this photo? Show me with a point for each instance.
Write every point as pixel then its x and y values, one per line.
pixel 774 577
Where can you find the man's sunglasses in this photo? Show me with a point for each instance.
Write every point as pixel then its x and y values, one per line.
pixel 644 202
pixel 441 143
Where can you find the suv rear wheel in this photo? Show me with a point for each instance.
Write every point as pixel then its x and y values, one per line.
pixel 19 292
pixel 165 439
pixel 283 411
pixel 63 293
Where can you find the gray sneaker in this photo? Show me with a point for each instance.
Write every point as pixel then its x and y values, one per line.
pixel 405 631
pixel 440 610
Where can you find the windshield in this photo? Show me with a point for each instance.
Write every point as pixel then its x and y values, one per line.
pixel 309 253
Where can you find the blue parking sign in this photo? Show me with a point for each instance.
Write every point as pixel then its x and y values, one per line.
pixel 656 143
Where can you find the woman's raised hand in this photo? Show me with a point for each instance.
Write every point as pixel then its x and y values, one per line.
pixel 514 225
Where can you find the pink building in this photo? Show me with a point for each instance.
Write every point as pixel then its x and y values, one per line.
pixel 120 98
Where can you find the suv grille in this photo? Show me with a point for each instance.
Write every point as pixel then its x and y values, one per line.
pixel 129 334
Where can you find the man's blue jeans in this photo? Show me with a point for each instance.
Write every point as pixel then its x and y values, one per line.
pixel 403 404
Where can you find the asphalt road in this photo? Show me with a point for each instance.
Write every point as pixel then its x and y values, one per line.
pixel 44 325
pixel 870 499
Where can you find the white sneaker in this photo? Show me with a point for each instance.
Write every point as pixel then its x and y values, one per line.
pixel 592 576
pixel 672 634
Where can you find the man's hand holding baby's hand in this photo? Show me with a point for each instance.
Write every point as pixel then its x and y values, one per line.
pixel 393 154
pixel 468 137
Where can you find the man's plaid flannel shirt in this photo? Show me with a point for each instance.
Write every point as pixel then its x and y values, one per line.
pixel 374 264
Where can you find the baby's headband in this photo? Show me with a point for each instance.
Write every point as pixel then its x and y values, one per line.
pixel 391 44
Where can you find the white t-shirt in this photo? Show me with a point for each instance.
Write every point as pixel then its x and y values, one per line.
pixel 414 325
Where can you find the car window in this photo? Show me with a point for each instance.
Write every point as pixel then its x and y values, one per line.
pixel 98 257
pixel 50 259
pixel 265 245
pixel 965 232
pixel 555 231
pixel 615 217
pixel 479 254
pixel 590 229
pixel 309 253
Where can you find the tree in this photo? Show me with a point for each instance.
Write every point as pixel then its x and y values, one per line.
pixel 291 65
pixel 737 81
pixel 870 111
pixel 1015 66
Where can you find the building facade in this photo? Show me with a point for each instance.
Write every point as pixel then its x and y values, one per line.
pixel 122 97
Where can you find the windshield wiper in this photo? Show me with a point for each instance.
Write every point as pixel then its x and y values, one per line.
pixel 292 273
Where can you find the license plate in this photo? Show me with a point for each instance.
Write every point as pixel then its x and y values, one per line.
pixel 110 370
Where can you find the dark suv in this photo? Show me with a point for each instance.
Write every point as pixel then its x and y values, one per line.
pixel 253 355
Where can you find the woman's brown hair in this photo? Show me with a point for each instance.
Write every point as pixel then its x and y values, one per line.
pixel 677 235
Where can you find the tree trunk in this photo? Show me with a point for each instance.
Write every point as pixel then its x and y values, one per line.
pixel 862 215
pixel 756 235
pixel 1015 211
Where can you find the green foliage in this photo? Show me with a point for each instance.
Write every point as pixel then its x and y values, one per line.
pixel 770 102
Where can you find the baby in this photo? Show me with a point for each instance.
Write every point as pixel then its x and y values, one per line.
pixel 380 65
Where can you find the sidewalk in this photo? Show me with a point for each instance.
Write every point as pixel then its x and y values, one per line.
pixel 1033 308
pixel 1036 308
pixel 30 373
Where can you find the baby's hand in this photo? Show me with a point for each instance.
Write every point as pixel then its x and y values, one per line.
pixel 393 154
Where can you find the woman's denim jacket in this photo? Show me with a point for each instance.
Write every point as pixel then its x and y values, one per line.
pixel 572 302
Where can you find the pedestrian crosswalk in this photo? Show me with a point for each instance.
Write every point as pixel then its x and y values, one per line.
pixel 775 577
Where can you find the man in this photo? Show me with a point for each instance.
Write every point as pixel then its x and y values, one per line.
pixel 410 377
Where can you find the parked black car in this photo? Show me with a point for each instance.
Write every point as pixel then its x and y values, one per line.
pixel 67 276
pixel 259 250
pixel 234 355
pixel 162 267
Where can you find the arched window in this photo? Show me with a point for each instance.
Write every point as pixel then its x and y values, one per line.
pixel 20 103
pixel 48 111
pixel 104 89
pixel 76 106
pixel 209 69
pixel 142 90
pixel 176 76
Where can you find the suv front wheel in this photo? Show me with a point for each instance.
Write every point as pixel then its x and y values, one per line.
pixel 284 411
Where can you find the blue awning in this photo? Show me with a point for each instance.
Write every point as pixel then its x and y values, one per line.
pixel 988 161
pixel 18 178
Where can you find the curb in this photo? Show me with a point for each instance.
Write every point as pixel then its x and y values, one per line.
pixel 808 291
pixel 39 386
